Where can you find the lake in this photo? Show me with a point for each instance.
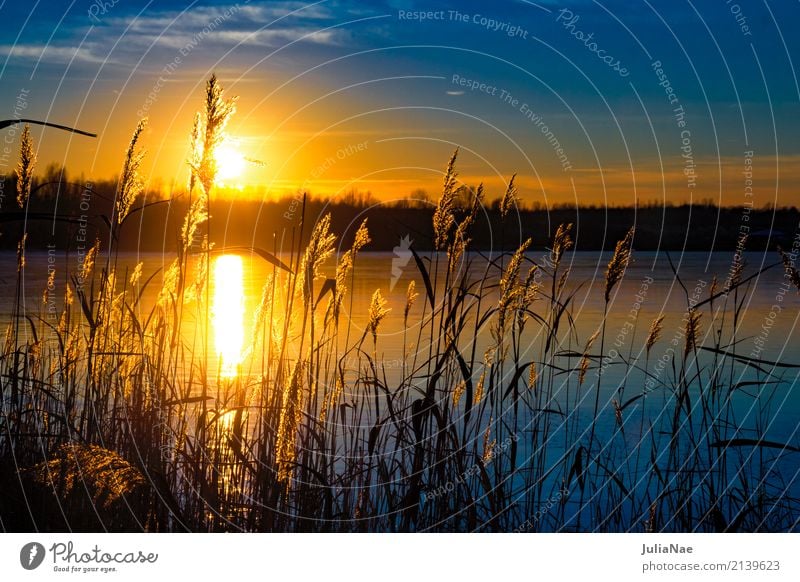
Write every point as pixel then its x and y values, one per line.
pixel 766 330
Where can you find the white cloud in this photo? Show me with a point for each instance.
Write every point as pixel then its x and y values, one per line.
pixel 232 25
pixel 50 53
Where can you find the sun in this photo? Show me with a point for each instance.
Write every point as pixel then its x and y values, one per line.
pixel 230 161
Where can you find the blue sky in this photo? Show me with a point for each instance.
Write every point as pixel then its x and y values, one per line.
pixel 315 78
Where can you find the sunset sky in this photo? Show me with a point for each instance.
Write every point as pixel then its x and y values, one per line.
pixel 337 95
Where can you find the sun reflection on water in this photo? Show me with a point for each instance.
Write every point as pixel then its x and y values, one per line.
pixel 228 313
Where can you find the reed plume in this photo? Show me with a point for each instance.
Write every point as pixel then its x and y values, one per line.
pixel 655 333
pixel 461 238
pixel 479 387
pixel 195 150
pixel 533 375
pixel 509 199
pixel 87 265
pixel 212 131
pixel 562 242
pixel 264 310
pixel 21 252
pixel 411 297
pixel 510 289
pixel 136 274
pixel 320 248
pixel 51 281
pixel 377 312
pixel 24 169
pixel 526 296
pixel 692 331
pixel 195 216
pixel 443 216
pixel 618 263
pixel 510 277
pixel 169 286
pixel 332 396
pixel 488 444
pixel 290 418
pixel 458 392
pixel 584 365
pixel 130 184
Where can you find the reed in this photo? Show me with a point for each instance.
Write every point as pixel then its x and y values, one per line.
pixel 485 423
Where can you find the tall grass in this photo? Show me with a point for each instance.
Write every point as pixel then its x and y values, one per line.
pixel 117 416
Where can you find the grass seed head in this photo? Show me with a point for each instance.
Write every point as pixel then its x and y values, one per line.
pixel 655 332
pixel 509 199
pixel 24 170
pixel 443 216
pixel 130 184
pixel 618 263
pixel 377 312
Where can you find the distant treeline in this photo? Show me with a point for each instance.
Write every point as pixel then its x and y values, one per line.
pixel 62 211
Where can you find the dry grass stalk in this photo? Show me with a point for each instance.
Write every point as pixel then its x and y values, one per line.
pixel 377 312
pixel 655 333
pixel 458 392
pixel 196 150
pixel 533 375
pixel 332 397
pixel 51 282
pixel 461 238
pixel 21 252
pixel 443 216
pixel 584 365
pixel 488 444
pixel 618 263
pixel 218 112
pixel 290 418
pixel 264 310
pixel 509 199
pixel 411 297
pixel 510 277
pixel 195 216
pixel 562 242
pixel 320 248
pixel 617 412
pixel 130 182
pixel 24 170
pixel 692 331
pixel 87 265
pixel 488 358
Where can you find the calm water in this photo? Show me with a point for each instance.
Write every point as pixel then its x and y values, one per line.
pixel 648 289
pixel 768 320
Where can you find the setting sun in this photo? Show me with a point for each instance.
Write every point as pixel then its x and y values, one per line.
pixel 230 162
pixel 228 313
